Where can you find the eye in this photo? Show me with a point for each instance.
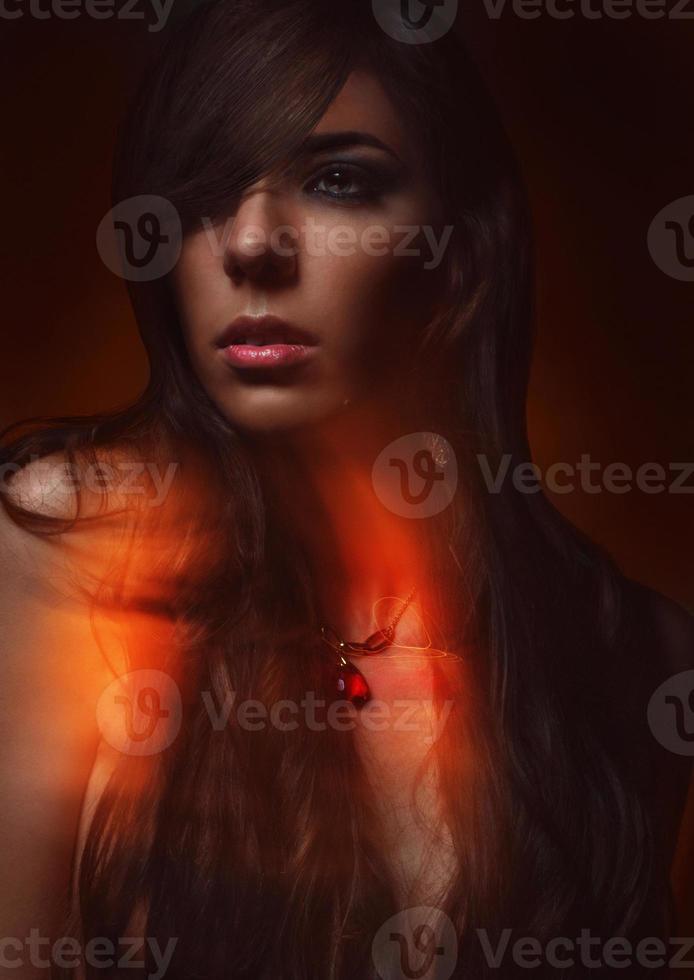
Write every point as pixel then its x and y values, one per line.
pixel 343 182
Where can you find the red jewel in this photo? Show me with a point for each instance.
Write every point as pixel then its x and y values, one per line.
pixel 351 684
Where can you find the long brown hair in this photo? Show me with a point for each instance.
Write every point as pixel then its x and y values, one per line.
pixel 226 837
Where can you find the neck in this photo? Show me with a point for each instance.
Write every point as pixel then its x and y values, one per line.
pixel 359 550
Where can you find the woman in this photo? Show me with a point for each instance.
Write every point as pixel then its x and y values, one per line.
pixel 295 340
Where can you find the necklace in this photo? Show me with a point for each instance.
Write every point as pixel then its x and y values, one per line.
pixel 351 683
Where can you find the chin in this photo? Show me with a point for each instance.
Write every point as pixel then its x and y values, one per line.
pixel 271 410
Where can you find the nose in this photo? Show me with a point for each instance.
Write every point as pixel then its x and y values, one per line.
pixel 261 247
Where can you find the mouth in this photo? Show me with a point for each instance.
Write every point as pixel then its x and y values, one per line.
pixel 264 331
pixel 265 342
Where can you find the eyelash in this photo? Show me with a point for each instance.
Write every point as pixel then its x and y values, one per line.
pixel 372 186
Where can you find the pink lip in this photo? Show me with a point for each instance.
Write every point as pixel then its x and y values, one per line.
pixel 267 356
pixel 281 344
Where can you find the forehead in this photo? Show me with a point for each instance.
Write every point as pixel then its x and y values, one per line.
pixel 363 105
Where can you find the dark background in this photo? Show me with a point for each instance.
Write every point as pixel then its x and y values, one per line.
pixel 600 112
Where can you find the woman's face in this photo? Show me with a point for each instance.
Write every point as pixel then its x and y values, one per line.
pixel 314 290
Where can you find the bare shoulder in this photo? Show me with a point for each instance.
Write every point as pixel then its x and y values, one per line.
pixel 52 673
pixel 50 574
pixel 28 559
pixel 43 487
pixel 59 655
pixel 47 572
pixel 60 486
pixel 42 535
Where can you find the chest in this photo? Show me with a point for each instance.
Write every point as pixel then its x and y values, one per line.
pixel 398 737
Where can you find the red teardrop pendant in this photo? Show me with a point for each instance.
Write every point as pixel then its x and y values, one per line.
pixel 351 684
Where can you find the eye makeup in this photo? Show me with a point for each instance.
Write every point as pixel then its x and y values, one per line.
pixel 353 181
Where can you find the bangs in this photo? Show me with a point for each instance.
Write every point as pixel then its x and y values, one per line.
pixel 236 92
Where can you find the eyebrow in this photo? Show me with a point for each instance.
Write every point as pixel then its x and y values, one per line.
pixel 344 138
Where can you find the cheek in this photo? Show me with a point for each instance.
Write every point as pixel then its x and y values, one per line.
pixel 198 282
pixel 370 297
